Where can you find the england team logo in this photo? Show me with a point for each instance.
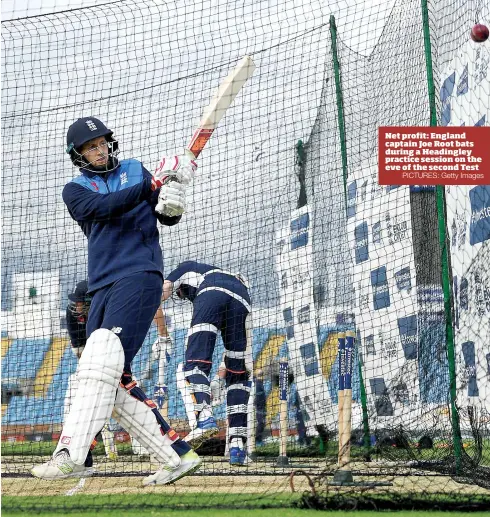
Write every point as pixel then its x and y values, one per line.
pixel 91 125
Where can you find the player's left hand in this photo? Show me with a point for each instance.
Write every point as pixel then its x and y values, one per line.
pixel 162 345
pixel 171 199
pixel 181 167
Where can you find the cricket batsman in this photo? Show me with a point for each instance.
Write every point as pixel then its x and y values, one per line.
pixel 117 204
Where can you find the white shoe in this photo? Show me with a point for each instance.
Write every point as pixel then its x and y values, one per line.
pixel 60 466
pixel 165 475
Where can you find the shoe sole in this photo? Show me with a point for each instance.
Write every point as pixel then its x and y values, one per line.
pixel 196 442
pixel 181 475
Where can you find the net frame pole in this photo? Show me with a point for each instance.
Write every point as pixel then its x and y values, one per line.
pixel 443 240
pixel 343 151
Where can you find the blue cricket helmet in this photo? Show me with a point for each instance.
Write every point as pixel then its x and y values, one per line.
pixel 82 131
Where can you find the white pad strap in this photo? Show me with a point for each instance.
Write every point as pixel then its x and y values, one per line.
pixel 99 371
pixel 140 422
pixel 202 327
pixel 238 431
pixel 236 355
pixel 236 409
pixel 230 293
pixel 194 371
pixel 242 387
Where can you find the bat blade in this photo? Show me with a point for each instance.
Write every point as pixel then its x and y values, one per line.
pixel 221 101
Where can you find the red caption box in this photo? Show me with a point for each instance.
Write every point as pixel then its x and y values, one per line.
pixel 434 155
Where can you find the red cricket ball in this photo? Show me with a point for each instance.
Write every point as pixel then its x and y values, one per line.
pixel 479 33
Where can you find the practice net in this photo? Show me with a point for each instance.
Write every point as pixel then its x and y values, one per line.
pixel 286 193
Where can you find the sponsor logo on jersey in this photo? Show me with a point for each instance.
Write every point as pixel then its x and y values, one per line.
pixel 123 177
pixel 116 330
pixel 65 440
pixel 96 187
pixel 381 293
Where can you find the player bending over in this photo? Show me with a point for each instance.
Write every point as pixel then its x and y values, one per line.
pixel 221 303
pixel 117 204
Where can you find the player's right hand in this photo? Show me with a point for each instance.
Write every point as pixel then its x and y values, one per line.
pixel 181 167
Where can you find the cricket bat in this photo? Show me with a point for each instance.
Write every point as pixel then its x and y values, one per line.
pixel 222 100
pixel 213 113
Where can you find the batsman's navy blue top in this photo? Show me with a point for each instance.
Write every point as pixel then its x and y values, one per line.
pixel 77 329
pixel 201 276
pixel 116 212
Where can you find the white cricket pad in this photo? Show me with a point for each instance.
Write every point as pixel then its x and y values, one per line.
pixel 186 396
pixel 140 422
pixel 99 371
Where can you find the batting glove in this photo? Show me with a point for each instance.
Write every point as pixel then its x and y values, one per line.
pixel 162 345
pixel 181 167
pixel 171 199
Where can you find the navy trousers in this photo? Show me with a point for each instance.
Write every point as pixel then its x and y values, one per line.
pixel 127 308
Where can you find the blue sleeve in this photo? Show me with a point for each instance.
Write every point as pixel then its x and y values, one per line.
pixel 87 206
pixel 153 200
pixel 187 267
